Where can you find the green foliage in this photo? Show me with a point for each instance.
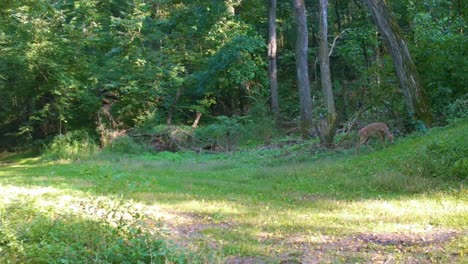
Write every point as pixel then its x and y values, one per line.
pixel 399 182
pixel 126 145
pixel 236 73
pixel 439 51
pixel 32 235
pixel 445 157
pixel 229 133
pixel 458 109
pixel 125 209
pixel 71 146
pixel 226 133
pixel 62 61
pixel 262 127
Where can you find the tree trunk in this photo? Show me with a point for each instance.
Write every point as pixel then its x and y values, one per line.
pixel 415 96
pixel 272 69
pixel 328 133
pixel 197 119
pixel 302 69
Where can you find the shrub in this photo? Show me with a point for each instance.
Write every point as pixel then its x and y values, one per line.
pixel 261 125
pixel 126 144
pixel 228 133
pixel 225 134
pixel 32 235
pixel 445 157
pixel 72 146
pixel 458 109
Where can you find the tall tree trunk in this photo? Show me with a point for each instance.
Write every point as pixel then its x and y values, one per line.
pixel 272 69
pixel 415 96
pixel 302 68
pixel 328 133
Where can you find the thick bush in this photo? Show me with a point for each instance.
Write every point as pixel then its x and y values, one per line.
pixel 445 157
pixel 73 145
pixel 224 134
pixel 458 109
pixel 126 144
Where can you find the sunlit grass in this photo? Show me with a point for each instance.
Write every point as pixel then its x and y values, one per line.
pixel 239 205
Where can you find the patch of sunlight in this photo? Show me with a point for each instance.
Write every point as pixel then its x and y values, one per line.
pixel 384 227
pixel 413 208
pixel 65 201
pixel 29 160
pixel 412 215
pixel 162 214
pixel 11 192
pixel 5 173
pixel 33 163
pixel 17 166
pixel 210 207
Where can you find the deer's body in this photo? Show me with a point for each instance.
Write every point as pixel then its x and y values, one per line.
pixel 378 129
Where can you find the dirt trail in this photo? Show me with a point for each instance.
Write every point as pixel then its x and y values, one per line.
pixel 382 248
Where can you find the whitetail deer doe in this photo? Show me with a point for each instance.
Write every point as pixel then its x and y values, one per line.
pixel 379 130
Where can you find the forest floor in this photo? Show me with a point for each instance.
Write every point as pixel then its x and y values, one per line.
pixel 281 203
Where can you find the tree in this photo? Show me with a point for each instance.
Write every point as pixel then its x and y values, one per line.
pixel 302 69
pixel 414 93
pixel 272 69
pixel 327 131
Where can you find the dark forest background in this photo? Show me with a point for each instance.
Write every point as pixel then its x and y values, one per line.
pixel 151 69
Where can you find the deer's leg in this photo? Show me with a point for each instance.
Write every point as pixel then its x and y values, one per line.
pixel 382 139
pixel 361 141
pixel 365 140
pixel 367 143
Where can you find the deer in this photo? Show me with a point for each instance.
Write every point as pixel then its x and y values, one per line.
pixel 373 130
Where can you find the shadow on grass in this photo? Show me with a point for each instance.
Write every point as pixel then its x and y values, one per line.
pixel 174 182
pixel 233 210
pixel 236 205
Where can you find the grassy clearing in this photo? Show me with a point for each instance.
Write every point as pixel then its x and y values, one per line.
pixel 255 206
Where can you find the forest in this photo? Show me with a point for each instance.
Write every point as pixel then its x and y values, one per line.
pixel 233 131
pixel 102 68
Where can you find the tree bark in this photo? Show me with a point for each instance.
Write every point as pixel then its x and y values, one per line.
pixel 272 68
pixel 413 91
pixel 328 133
pixel 302 68
pixel 197 119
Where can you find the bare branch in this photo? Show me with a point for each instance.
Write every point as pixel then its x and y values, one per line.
pixel 334 42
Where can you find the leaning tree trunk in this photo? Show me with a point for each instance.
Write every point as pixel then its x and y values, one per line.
pixel 302 69
pixel 415 96
pixel 272 69
pixel 327 132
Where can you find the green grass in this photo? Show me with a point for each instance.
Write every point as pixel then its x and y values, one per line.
pixel 289 203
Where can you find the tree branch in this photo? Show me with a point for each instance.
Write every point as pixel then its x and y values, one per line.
pixel 334 42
